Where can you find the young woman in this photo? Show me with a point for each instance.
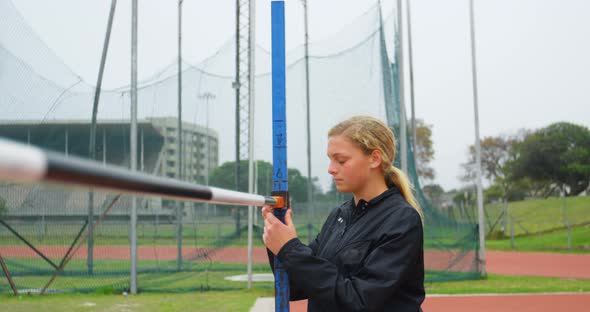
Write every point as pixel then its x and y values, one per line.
pixel 369 254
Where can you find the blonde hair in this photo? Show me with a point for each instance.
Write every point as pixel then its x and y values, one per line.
pixel 371 134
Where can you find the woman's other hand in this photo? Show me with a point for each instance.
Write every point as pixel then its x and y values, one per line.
pixel 276 233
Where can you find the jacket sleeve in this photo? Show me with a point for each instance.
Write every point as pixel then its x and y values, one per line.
pixel 381 273
pixel 295 293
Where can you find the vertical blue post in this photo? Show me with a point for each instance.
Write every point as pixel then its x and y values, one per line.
pixel 279 133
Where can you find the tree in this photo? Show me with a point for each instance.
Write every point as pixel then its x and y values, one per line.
pixel 434 193
pixel 497 156
pixel 224 177
pixel 424 152
pixel 558 154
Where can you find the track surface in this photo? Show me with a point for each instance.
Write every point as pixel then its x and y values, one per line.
pixel 507 263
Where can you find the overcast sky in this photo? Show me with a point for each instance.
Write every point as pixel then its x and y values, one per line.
pixel 532 55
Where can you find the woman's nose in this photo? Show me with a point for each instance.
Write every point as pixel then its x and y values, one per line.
pixel 331 169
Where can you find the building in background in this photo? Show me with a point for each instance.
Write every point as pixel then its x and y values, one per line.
pixel 200 152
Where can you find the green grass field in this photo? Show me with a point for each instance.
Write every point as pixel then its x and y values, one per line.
pixel 554 241
pixel 112 276
pixel 539 215
pixel 538 225
pixel 239 300
pixel 535 225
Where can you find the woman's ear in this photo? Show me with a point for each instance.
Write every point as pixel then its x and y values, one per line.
pixel 376 159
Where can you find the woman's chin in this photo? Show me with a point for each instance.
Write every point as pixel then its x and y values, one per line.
pixel 342 189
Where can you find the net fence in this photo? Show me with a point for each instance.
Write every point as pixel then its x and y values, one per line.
pixel 82 235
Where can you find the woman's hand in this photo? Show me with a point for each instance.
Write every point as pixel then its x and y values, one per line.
pixel 276 234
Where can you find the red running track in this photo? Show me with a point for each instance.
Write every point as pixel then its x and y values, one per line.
pixel 539 264
pixel 508 263
pixel 496 303
pixel 508 303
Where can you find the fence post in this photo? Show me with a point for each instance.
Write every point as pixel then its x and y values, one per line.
pixel 505 216
pixel 157 224
pixel 218 231
pixel 539 230
pixel 569 236
pixel 512 233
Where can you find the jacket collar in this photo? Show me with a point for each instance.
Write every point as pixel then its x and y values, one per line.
pixel 362 204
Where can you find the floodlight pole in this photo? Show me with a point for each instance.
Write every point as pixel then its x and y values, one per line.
pixel 179 205
pixel 402 110
pixel 251 103
pixel 133 147
pixel 411 72
pixel 310 206
pixel 482 239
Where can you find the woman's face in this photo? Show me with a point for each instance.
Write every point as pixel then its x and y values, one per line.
pixel 349 166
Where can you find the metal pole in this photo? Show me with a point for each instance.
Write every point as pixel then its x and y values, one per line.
pixel 133 147
pixel 66 148
pixel 564 205
pixel 71 252
pixel 92 141
pixel 310 205
pixel 236 85
pixel 512 233
pixel 482 238
pixel 505 214
pixel 207 164
pixel 569 236
pixel 256 189
pixel 402 113
pixel 411 72
pixel 24 240
pixel 8 276
pixel 141 151
pixel 104 147
pixel 251 103
pixel 179 205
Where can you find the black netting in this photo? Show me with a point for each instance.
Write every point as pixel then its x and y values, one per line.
pixel 45 228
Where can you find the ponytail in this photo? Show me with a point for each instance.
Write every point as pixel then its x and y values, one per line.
pixel 396 177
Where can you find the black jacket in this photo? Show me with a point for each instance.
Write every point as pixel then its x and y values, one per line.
pixel 365 258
